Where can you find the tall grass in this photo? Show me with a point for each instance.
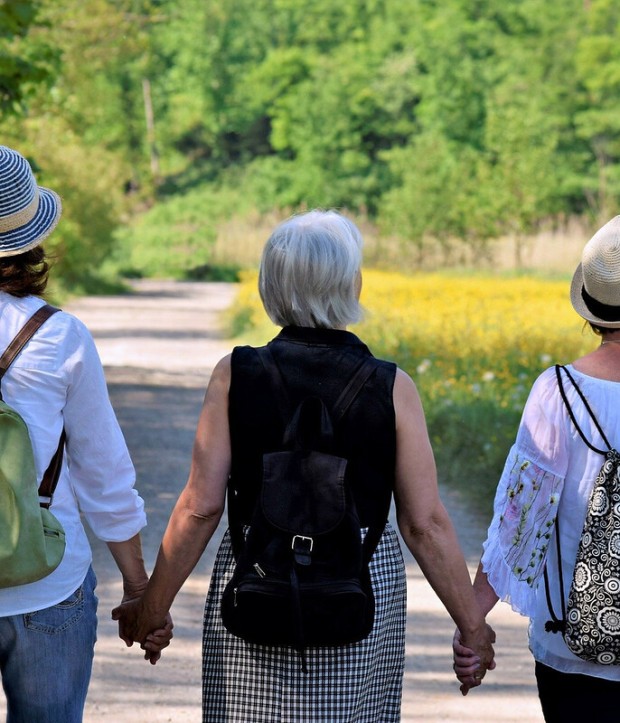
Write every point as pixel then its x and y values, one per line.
pixel 473 345
pixel 239 240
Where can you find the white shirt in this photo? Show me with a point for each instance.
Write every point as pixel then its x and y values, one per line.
pixel 56 380
pixel 549 471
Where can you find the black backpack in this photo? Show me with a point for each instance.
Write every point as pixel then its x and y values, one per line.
pixel 301 577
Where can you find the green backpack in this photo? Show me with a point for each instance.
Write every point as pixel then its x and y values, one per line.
pixel 32 540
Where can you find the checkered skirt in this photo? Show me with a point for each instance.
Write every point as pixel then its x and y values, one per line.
pixel 357 683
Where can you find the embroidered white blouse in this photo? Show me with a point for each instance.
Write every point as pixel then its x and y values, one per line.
pixel 549 469
pixel 58 379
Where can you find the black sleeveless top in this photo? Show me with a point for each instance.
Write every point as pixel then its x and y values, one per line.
pixel 313 362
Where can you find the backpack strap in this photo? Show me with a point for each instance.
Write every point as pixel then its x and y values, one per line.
pixel 353 388
pixel 556 625
pixel 24 335
pixel 348 395
pixel 50 477
pixel 344 401
pixel 278 385
pixel 52 473
pixel 558 374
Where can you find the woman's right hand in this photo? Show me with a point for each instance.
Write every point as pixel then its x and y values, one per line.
pixel 472 660
pixel 156 641
pixel 135 625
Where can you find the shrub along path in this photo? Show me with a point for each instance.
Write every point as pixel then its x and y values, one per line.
pixel 158 347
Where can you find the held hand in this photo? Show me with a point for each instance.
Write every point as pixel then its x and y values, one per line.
pixel 471 663
pixel 465 665
pixel 158 640
pixel 127 614
pixel 134 625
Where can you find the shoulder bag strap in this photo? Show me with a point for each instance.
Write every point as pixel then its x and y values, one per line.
pixel 50 477
pixel 51 474
pixel 24 335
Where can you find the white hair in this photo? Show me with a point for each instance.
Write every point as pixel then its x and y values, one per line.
pixel 309 272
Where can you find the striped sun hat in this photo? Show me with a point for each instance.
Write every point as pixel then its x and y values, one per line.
pixel 28 213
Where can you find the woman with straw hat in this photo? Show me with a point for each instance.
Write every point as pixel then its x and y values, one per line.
pixel 56 384
pixel 543 498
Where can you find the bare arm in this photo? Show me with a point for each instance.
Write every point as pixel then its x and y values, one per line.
pixel 128 558
pixel 426 527
pixel 485 594
pixel 465 659
pixel 195 516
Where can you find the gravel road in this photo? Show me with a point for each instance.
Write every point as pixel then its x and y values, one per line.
pixel 158 347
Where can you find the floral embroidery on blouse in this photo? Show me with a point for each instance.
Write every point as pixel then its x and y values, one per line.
pixel 526 524
pixel 525 510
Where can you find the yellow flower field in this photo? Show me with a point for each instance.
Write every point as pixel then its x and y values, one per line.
pixel 473 345
pixel 458 330
pixel 471 332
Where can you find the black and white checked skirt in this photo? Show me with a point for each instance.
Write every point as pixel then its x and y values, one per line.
pixel 357 683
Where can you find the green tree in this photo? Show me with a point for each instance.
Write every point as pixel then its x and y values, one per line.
pixel 598 120
pixel 24 62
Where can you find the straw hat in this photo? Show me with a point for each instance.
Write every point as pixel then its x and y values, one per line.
pixel 28 213
pixel 595 289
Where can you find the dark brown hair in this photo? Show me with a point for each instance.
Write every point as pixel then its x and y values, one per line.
pixel 25 273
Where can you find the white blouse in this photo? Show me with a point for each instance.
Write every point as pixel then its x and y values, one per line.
pixel 549 470
pixel 58 380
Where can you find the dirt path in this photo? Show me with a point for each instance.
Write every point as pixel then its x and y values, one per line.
pixel 158 347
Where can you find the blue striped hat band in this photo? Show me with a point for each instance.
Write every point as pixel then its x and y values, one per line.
pixel 28 213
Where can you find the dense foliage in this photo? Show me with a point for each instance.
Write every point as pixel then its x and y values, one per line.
pixel 437 119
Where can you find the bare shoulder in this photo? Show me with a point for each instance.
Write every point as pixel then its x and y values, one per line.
pixel 219 383
pixel 403 379
pixel 407 402
pixel 221 372
pixel 223 365
pixel 405 389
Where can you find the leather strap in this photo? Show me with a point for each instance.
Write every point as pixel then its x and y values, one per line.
pixel 51 474
pixel 50 477
pixel 24 336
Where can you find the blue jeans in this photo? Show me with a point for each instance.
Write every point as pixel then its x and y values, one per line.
pixel 46 658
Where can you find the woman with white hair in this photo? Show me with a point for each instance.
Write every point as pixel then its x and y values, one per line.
pixel 542 502
pixel 310 283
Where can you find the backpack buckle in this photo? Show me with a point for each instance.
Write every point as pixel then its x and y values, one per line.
pixel 302 549
pixel 45 501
